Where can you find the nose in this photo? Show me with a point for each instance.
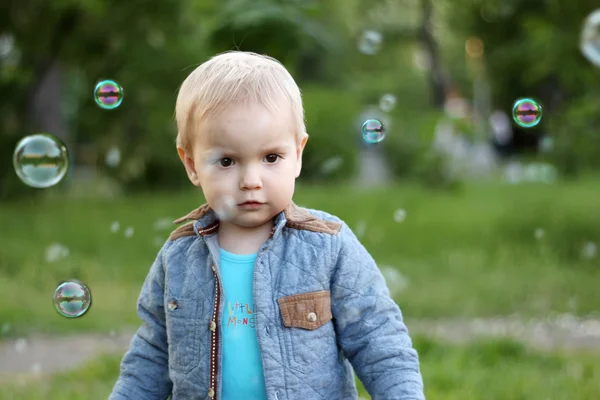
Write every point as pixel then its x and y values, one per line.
pixel 250 179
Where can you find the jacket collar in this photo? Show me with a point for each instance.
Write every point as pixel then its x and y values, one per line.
pixel 207 222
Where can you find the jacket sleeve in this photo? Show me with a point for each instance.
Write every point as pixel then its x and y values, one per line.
pixel 369 325
pixel 145 366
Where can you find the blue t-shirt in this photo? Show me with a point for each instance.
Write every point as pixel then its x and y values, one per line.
pixel 243 376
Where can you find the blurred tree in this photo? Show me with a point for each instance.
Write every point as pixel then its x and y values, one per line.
pixel 531 49
pixel 63 48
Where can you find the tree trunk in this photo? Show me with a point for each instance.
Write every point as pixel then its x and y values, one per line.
pixel 437 80
pixel 44 105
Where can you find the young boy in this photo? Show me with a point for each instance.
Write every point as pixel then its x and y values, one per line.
pixel 257 298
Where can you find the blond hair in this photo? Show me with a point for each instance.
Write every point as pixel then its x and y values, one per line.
pixel 235 77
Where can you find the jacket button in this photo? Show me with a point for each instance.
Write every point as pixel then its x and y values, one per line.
pixel 312 317
pixel 211 393
pixel 173 305
pixel 213 325
pixel 213 268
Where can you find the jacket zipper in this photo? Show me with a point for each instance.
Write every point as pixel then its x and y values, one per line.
pixel 214 324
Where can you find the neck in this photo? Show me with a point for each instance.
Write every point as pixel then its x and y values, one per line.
pixel 242 240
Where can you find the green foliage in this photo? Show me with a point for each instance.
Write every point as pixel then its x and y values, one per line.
pixel 532 49
pixel 577 136
pixel 331 125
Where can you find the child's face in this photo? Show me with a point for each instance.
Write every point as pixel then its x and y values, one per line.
pixel 245 154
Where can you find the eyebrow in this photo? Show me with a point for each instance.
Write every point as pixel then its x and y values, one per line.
pixel 273 149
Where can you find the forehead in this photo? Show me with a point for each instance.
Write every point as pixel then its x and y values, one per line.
pixel 245 127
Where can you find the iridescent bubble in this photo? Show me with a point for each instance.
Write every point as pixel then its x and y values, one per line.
pixel 387 102
pixel 369 42
pixel 72 298
pixel 108 94
pixel 373 131
pixel 527 112
pixel 41 160
pixel 590 38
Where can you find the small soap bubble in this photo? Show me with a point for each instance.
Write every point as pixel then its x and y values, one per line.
pixel 589 251
pixel 41 160
pixel 399 215
pixel 590 38
pixel 108 94
pixel 332 164
pixel 539 233
pixel 20 345
pixel 163 224
pixel 387 102
pixel 128 232
pixel 36 368
pixel 373 131
pixel 361 228
pixel 56 252
pixel 546 144
pixel 369 42
pixel 225 209
pixel 72 298
pixel 113 157
pixel 115 226
pixel 7 44
pixel 527 113
pixel 394 280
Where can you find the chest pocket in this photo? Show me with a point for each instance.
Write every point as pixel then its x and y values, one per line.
pixel 307 328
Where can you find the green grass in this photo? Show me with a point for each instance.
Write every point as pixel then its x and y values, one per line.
pixel 467 253
pixel 501 370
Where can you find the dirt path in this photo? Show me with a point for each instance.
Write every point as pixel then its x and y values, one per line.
pixel 45 355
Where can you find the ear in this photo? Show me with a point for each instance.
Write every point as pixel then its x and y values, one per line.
pixel 299 151
pixel 190 168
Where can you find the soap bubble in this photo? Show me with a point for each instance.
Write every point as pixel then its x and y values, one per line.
pixel 331 164
pixel 399 215
pixel 527 112
pixel 128 232
pixel 369 42
pixel 115 226
pixel 590 250
pixel 539 233
pixel 590 38
pixel 113 157
pixel 108 94
pixel 41 160
pixel 373 131
pixel 225 208
pixel 72 298
pixel 56 252
pixel 387 102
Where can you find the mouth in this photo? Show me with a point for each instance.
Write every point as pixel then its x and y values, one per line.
pixel 250 203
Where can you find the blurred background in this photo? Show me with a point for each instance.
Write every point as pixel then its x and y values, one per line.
pixel 487 231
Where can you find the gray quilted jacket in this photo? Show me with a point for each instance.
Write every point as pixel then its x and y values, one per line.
pixel 311 262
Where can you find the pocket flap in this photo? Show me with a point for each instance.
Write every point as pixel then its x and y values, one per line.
pixel 306 310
